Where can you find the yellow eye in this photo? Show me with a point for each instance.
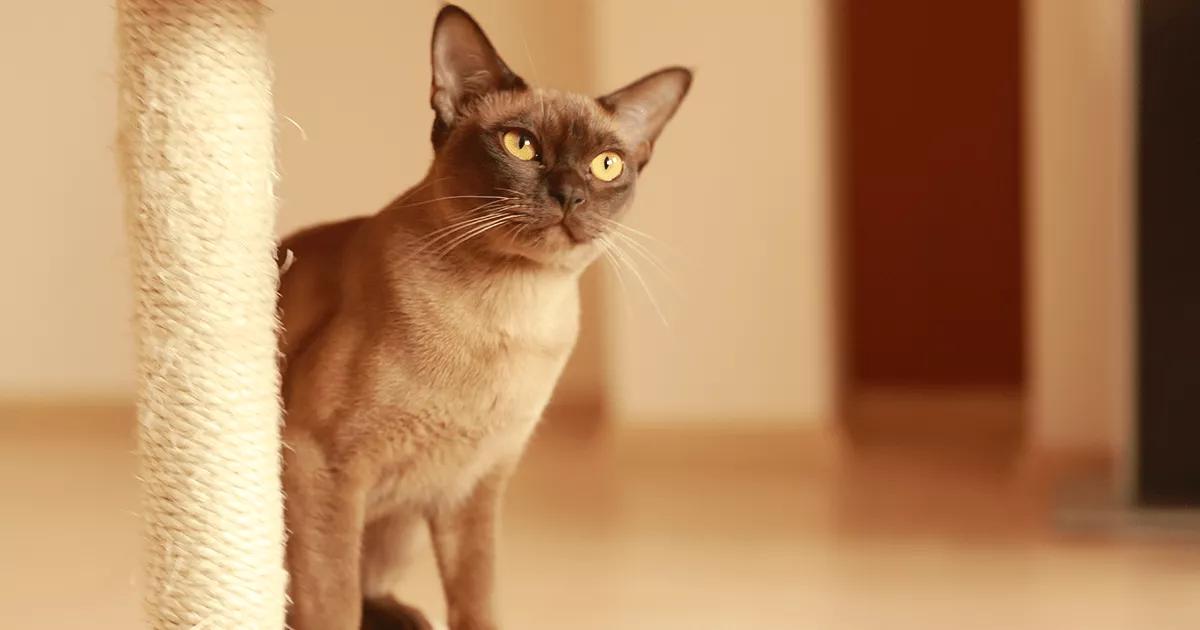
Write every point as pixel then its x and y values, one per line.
pixel 520 145
pixel 607 166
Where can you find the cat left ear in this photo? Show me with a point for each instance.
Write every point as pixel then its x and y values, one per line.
pixel 642 108
pixel 465 65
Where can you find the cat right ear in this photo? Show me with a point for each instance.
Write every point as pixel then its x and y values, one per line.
pixel 642 108
pixel 465 66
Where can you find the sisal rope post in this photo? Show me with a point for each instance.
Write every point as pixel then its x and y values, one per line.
pixel 196 135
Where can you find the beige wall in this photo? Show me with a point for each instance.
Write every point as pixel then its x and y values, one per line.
pixel 63 270
pixel 739 188
pixel 1080 152
pixel 743 201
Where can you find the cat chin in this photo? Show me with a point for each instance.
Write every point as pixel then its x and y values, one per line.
pixel 575 259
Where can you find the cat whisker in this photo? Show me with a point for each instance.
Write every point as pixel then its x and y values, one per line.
pixel 424 186
pixel 471 220
pixel 629 263
pixel 536 74
pixel 663 246
pixel 436 200
pixel 515 207
pixel 634 232
pixel 453 230
pixel 466 226
pixel 626 234
pixel 605 247
pixel 515 230
pixel 490 206
pixel 476 232
pixel 650 257
pixel 519 194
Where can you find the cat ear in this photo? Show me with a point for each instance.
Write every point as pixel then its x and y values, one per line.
pixel 465 65
pixel 642 108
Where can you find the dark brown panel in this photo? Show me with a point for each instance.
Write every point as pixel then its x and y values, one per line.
pixel 930 92
pixel 1168 255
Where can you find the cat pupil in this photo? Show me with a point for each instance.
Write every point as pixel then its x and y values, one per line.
pixel 522 142
pixel 607 163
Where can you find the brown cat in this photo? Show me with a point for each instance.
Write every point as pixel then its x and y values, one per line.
pixel 422 343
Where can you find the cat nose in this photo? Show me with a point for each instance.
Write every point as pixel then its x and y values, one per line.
pixel 569 198
pixel 568 190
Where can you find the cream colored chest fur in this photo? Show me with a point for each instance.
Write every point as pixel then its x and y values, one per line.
pixel 474 391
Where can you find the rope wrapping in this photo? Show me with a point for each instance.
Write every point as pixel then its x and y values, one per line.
pixel 196 137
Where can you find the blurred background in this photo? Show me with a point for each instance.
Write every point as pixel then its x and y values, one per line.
pixel 895 385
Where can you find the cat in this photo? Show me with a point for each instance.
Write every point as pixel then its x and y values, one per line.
pixel 421 344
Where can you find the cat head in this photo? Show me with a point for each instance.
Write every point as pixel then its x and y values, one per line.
pixel 553 170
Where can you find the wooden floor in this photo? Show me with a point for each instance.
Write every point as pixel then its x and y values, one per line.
pixel 665 528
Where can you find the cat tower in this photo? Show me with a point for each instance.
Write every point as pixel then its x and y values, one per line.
pixel 196 143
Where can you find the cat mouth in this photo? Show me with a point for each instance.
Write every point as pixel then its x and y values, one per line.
pixel 548 236
pixel 562 232
pixel 573 233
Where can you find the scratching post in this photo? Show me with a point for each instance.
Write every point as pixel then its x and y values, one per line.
pixel 197 154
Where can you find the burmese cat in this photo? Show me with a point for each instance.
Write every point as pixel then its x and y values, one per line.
pixel 421 344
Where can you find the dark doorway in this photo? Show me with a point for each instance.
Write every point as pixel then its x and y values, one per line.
pixel 1168 255
pixel 930 189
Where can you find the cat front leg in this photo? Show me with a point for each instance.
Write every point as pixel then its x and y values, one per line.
pixel 325 509
pixel 464 538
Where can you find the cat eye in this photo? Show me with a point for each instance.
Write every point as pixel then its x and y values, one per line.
pixel 607 166
pixel 520 145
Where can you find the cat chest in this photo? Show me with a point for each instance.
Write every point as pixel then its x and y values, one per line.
pixel 445 470
pixel 504 363
pixel 457 438
pixel 509 378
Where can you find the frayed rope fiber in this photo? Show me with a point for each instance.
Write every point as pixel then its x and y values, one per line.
pixel 196 139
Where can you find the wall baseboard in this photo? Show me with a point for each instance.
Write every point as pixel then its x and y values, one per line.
pixel 901 414
pixel 101 415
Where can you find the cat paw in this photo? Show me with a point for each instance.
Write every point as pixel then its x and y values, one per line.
pixel 393 615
